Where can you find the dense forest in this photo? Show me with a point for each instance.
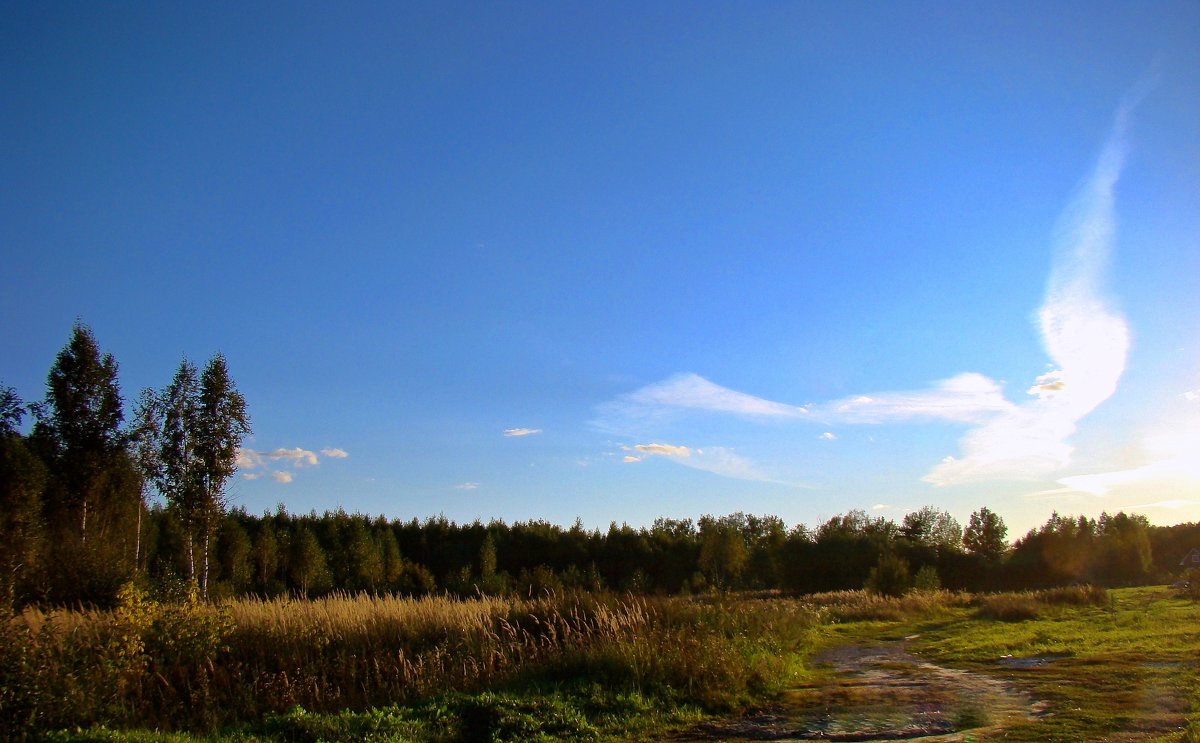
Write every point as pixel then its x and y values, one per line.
pixel 90 501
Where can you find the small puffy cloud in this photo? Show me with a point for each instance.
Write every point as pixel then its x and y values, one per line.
pixel 1048 384
pixel 1192 396
pixel 334 453
pixel 880 507
pixel 296 456
pixel 521 431
pixel 663 450
pixel 828 436
pixel 251 475
pixel 248 459
pixel 629 458
pixel 281 476
pixel 467 486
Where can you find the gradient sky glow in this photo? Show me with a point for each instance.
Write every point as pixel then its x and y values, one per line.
pixel 618 261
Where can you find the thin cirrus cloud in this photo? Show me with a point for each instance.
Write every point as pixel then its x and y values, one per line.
pixel 1086 340
pixel 686 392
pixel 718 460
pixel 511 432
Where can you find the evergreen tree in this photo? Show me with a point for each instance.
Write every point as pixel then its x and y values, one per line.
pixel 79 428
pixel 93 492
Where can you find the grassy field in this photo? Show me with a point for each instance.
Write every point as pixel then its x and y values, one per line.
pixel 1100 665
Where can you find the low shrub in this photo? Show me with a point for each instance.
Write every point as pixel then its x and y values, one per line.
pixel 1018 607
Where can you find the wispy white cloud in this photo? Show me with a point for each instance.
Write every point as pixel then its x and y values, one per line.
pixel 1171 462
pixel 880 507
pixel 687 392
pixel 281 476
pixel 335 453
pixel 1174 504
pixel 828 436
pixel 966 398
pixel 1192 396
pixel 724 461
pixel 467 486
pixel 1086 340
pixel 521 431
pixel 718 460
pixel 251 475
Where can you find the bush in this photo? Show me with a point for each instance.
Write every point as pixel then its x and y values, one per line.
pixel 927 579
pixel 889 577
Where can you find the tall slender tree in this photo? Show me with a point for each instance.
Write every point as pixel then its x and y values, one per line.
pixel 177 472
pixel 221 424
pixel 203 423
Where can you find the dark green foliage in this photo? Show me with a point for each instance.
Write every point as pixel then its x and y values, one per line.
pixel 22 484
pixel 984 536
pixel 93 492
pixel 889 577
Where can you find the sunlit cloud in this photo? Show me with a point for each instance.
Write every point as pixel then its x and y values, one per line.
pixel 1173 505
pixel 1086 339
pixel 521 431
pixel 255 463
pixel 629 459
pixel 880 507
pixel 1172 464
pixel 828 436
pixel 297 457
pixel 665 450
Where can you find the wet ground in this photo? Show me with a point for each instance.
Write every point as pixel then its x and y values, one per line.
pixel 880 693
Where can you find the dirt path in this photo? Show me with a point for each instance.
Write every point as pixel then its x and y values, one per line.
pixel 880 693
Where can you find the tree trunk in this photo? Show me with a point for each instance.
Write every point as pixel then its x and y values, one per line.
pixel 204 565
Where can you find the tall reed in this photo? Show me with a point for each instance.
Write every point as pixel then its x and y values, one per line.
pixel 194 665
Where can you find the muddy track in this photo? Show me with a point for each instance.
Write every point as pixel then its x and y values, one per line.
pixel 880 693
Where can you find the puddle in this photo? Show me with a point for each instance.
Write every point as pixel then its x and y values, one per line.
pixel 1034 661
pixel 880 693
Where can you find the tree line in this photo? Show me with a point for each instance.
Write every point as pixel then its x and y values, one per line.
pixel 79 517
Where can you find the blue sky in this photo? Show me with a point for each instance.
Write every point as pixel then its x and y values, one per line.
pixel 618 261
